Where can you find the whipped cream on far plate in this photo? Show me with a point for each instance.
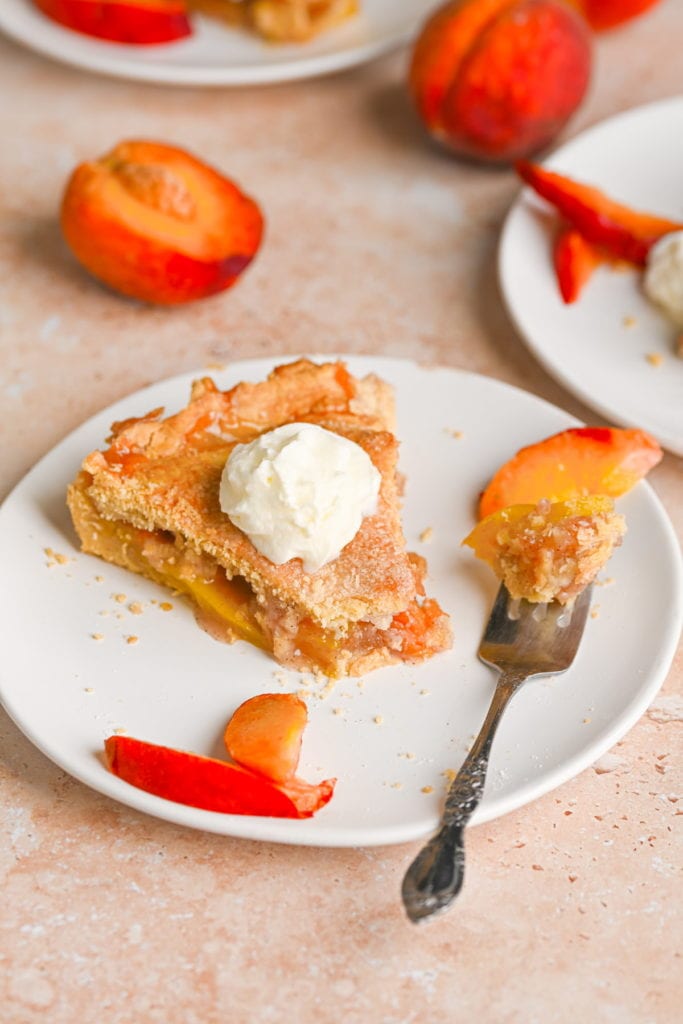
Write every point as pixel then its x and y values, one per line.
pixel 299 491
pixel 664 276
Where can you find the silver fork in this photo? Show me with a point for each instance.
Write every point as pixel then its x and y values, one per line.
pixel 521 640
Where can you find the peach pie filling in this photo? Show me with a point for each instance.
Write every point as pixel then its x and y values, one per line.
pixel 230 609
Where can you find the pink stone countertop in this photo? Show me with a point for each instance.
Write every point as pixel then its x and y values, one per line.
pixel 378 244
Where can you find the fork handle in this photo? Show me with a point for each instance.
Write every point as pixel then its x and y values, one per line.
pixel 435 877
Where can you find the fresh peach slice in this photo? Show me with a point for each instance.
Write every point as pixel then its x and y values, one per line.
pixel 210 784
pixel 265 733
pixel 157 224
pixel 549 552
pixel 575 462
pixel 122 21
pixel 575 260
pixel 625 233
pixel 604 14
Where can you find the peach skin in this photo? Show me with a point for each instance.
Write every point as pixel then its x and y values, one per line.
pixel 155 223
pixel 575 259
pixel 210 784
pixel 122 21
pixel 498 79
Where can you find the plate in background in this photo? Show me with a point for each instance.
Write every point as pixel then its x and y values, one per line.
pixel 217 54
pixel 600 347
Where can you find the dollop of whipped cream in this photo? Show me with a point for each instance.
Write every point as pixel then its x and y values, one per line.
pixel 299 491
pixel 664 276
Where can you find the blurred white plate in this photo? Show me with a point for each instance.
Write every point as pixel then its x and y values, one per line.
pixel 598 346
pixel 398 732
pixel 217 54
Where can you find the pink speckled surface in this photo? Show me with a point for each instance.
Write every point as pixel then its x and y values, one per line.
pixel 376 243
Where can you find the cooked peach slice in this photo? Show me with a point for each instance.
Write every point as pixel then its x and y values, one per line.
pixel 265 732
pixel 548 552
pixel 159 225
pixel 575 462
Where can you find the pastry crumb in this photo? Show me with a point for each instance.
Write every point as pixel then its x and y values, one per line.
pixel 427 535
pixel 97 636
pixel 424 693
pixel 132 639
pixel 595 611
pixel 166 606
pixel 327 688
pixel 457 434
pixel 119 598
pixel 587 721
pixel 99 579
pixel 449 773
pixel 337 711
pixel 397 785
pixel 88 689
pixel 654 358
pixel 136 608
pixel 119 730
pixel 55 557
pixel 630 321
pixel 378 719
pixel 427 789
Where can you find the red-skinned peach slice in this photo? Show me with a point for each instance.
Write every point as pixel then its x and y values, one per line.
pixel 265 733
pixel 497 79
pixel 605 14
pixel 576 462
pixel 575 259
pixel 210 784
pixel 155 223
pixel 625 233
pixel 140 22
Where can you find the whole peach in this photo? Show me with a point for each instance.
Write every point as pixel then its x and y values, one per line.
pixel 498 79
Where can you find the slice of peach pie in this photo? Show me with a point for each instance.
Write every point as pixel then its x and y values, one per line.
pixel 151 502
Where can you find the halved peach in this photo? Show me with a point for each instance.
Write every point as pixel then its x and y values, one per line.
pixel 122 21
pixel 265 733
pixel 549 551
pixel 575 462
pixel 155 223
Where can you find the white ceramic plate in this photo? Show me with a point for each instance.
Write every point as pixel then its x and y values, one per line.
pixel 178 687
pixel 598 346
pixel 217 54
